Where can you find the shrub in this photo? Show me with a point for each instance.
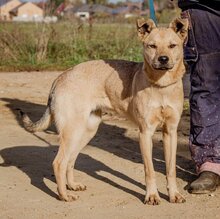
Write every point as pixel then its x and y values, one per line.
pixel 29 46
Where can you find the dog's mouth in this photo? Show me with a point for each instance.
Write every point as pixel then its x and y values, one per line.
pixel 162 67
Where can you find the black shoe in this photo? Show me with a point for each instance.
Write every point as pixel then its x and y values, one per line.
pixel 206 183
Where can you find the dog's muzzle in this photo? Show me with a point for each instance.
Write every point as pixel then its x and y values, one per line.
pixel 162 63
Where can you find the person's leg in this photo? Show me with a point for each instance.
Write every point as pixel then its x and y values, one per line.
pixel 204 45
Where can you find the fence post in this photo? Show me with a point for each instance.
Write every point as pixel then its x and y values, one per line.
pixel 152 11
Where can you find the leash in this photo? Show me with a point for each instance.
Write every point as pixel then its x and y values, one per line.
pixel 152 11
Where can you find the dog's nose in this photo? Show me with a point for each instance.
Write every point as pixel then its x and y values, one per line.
pixel 163 59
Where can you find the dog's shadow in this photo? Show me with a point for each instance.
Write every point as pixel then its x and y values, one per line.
pixel 36 161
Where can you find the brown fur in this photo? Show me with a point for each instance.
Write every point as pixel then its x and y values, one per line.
pixel 149 93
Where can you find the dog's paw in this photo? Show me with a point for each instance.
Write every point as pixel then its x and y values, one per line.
pixel 75 186
pixel 153 199
pixel 177 198
pixel 69 198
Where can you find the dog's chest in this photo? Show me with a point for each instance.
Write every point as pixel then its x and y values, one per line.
pixel 156 107
pixel 158 111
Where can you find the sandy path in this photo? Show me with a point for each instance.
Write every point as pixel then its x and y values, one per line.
pixel 110 165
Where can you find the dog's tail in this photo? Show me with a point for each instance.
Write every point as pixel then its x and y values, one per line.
pixel 42 124
pixel 45 121
pixel 48 117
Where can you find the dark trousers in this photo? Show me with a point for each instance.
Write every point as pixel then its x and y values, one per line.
pixel 202 53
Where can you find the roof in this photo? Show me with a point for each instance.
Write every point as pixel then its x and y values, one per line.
pixel 95 8
pixel 126 9
pixel 14 10
pixel 98 8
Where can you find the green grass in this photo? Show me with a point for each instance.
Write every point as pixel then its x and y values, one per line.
pixel 28 46
pixel 32 46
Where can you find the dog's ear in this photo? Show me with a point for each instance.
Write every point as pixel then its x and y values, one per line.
pixel 144 27
pixel 180 26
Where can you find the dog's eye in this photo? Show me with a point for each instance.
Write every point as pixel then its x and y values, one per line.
pixel 171 46
pixel 152 46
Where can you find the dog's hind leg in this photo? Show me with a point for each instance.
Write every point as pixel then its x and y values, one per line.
pixel 90 131
pixel 71 142
pixel 68 143
pixel 71 132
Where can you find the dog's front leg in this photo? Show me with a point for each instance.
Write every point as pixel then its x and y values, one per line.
pixel 170 147
pixel 152 197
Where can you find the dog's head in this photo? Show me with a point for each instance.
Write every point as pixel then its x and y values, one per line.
pixel 163 47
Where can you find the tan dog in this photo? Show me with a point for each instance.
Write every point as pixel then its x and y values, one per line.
pixel 149 93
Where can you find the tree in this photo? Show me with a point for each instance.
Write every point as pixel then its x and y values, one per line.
pixel 57 2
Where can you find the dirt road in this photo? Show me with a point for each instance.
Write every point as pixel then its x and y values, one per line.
pixel 110 166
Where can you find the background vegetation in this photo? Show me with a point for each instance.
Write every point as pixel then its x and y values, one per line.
pixel 40 46
pixel 59 46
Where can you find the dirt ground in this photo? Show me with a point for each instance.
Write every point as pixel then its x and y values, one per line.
pixel 110 166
